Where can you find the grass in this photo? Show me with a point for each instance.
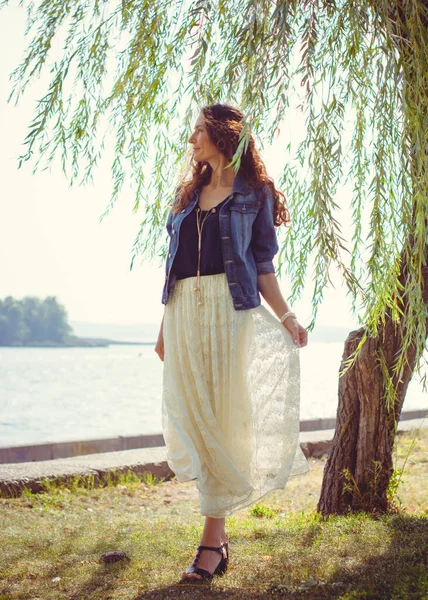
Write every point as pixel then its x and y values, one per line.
pixel 280 548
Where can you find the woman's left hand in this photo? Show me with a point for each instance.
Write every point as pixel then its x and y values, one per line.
pixel 299 335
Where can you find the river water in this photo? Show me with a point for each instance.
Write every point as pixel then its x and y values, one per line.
pixel 60 394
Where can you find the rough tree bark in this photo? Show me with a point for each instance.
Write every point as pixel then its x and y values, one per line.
pixel 365 430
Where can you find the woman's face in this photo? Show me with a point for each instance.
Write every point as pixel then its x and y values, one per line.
pixel 203 148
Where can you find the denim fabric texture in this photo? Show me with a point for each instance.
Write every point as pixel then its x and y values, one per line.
pixel 248 240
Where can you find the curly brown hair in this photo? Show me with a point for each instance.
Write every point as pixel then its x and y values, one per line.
pixel 224 123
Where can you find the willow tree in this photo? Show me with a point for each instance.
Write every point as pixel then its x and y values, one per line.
pixel 131 71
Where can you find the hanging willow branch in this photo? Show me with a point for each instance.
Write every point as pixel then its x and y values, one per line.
pixel 140 70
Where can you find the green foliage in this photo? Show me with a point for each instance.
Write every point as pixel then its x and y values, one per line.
pixel 134 70
pixel 367 499
pixel 32 321
pixel 151 479
pixel 261 510
pixel 394 500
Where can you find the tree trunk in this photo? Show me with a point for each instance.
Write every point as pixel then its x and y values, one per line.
pixel 359 466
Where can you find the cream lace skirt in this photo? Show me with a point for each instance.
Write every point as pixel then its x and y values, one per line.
pixel 231 397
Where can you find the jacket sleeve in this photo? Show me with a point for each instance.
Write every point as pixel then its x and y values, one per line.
pixel 171 214
pixel 169 222
pixel 264 243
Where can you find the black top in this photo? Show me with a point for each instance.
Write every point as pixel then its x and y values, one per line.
pixel 186 259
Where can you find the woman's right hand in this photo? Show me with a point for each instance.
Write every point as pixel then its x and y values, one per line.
pixel 159 348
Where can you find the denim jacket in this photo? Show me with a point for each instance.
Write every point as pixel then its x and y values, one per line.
pixel 248 241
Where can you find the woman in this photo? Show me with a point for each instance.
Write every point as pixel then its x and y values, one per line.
pixel 231 377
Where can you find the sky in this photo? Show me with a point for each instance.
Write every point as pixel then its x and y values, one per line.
pixel 53 244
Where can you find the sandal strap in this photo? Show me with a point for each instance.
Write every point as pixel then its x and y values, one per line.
pixel 222 550
pixel 218 548
pixel 202 572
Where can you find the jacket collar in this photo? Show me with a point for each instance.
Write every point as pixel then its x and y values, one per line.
pixel 240 184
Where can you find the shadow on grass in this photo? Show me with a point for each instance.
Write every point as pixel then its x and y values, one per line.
pixel 399 572
pixel 341 558
pixel 202 592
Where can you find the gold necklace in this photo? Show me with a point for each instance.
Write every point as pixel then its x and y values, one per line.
pixel 197 289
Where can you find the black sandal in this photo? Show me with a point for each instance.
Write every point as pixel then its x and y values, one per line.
pixel 206 575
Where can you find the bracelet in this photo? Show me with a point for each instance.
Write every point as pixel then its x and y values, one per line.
pixel 287 314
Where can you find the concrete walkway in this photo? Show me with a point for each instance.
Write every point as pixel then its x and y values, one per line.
pixel 65 449
pixel 102 466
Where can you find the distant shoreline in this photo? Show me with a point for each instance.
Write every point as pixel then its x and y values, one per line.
pixel 75 342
